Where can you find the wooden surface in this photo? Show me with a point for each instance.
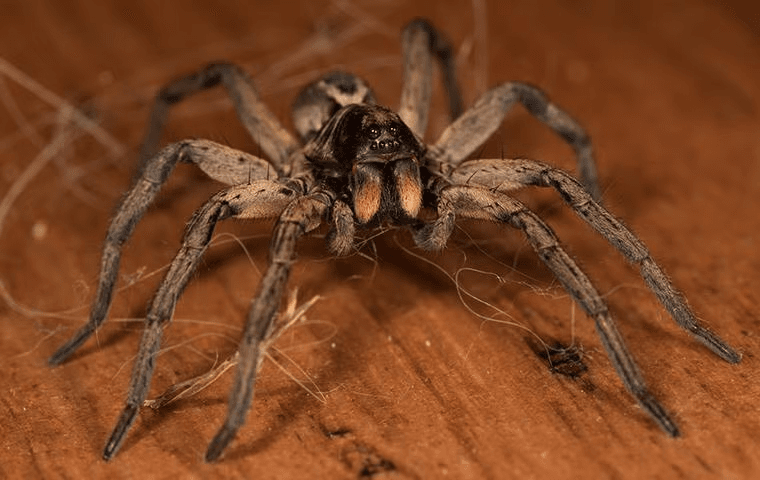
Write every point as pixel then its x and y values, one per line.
pixel 409 383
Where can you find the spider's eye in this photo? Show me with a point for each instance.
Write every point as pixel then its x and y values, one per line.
pixel 393 130
pixel 373 131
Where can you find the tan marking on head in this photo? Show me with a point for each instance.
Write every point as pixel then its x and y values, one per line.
pixel 343 98
pixel 367 199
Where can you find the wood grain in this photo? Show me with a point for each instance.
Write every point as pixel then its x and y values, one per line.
pixel 413 385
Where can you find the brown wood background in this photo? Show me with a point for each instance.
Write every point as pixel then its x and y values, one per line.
pixel 412 384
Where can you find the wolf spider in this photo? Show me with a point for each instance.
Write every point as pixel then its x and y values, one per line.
pixel 359 165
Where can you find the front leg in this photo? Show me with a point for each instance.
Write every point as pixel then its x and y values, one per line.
pixel 260 199
pixel 300 217
pixel 218 161
pixel 482 204
pixel 506 175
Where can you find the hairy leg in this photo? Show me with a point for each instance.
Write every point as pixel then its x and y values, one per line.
pixel 276 142
pixel 258 200
pixel 300 217
pixel 340 238
pixel 219 162
pixel 479 122
pixel 420 42
pixel 506 175
pixel 479 203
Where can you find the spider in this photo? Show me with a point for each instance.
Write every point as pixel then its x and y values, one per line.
pixel 360 165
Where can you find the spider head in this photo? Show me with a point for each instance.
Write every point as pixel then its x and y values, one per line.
pixel 370 154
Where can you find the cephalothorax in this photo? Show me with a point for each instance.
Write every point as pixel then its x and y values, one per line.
pixel 358 165
pixel 367 155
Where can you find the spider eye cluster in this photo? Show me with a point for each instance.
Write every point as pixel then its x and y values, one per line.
pixel 373 131
pixel 361 133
